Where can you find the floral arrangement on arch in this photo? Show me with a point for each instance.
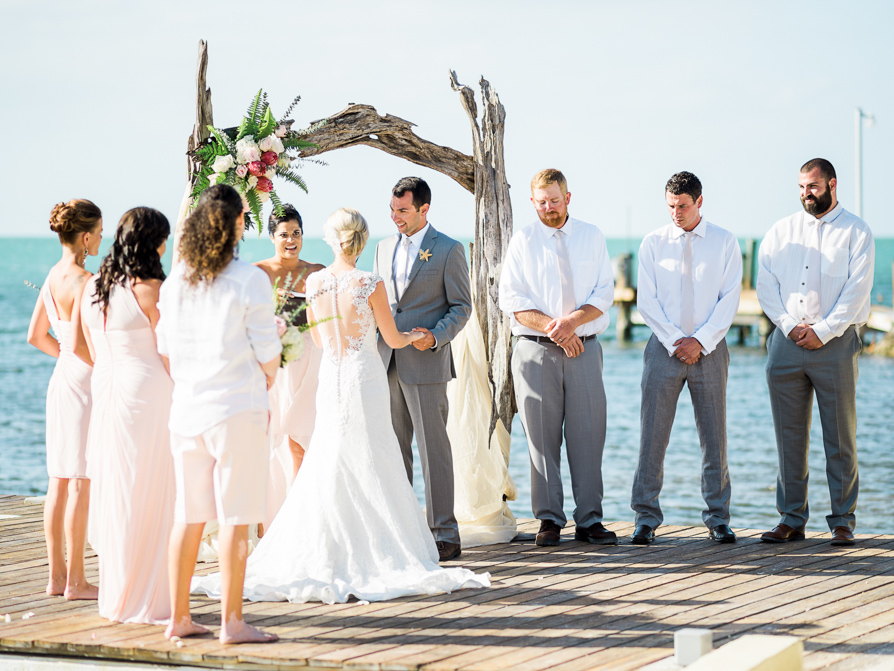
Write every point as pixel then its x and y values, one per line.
pixel 250 156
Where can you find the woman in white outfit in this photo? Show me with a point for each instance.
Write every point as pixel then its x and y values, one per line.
pixel 218 331
pixel 351 525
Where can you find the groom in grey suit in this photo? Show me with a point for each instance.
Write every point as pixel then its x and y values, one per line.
pixel 427 280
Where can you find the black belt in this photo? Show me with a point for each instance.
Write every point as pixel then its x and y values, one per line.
pixel 545 339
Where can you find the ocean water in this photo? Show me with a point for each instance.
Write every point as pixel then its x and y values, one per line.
pixel 25 372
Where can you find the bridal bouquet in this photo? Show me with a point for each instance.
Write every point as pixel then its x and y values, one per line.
pixel 289 323
pixel 250 156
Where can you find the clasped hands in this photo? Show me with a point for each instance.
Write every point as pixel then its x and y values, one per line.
pixel 689 350
pixel 804 336
pixel 561 332
pixel 425 341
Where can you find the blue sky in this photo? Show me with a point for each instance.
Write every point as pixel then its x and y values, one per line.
pixel 99 100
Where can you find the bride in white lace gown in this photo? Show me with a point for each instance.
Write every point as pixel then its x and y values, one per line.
pixel 351 525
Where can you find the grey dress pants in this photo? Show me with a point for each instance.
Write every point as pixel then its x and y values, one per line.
pixel 794 374
pixel 663 379
pixel 558 395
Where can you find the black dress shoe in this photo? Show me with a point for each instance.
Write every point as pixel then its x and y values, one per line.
pixel 596 534
pixel 722 534
pixel 447 551
pixel 642 535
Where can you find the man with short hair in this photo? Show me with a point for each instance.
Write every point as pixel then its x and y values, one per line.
pixel 689 281
pixel 427 282
pixel 814 281
pixel 556 286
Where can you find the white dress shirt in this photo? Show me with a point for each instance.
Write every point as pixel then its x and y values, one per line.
pixel 404 258
pixel 216 336
pixel 847 261
pixel 530 278
pixel 717 283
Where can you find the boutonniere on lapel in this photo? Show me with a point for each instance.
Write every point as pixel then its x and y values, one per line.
pixel 425 255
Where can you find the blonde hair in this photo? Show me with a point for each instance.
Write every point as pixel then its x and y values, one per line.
pixel 346 231
pixel 549 176
pixel 71 219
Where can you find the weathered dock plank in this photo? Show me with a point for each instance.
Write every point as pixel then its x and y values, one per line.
pixel 570 607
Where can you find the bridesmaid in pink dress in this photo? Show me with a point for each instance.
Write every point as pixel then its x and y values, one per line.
pixel 293 396
pixel 79 226
pixel 129 449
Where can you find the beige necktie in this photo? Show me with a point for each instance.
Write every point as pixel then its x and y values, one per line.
pixel 402 267
pixel 812 307
pixel 568 303
pixel 687 299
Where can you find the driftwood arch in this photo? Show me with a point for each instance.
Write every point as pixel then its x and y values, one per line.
pixel 483 174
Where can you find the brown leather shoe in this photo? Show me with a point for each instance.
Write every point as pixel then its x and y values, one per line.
pixel 596 534
pixel 783 533
pixel 548 534
pixel 842 536
pixel 447 551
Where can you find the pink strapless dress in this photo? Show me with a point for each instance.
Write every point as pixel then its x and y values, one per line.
pixel 129 461
pixel 68 402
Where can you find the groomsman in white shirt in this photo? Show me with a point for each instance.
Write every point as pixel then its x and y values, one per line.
pixel 814 282
pixel 688 286
pixel 557 287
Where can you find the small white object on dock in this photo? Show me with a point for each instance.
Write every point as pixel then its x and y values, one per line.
pixel 691 644
pixel 755 652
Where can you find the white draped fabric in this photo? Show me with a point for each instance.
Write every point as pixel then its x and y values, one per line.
pixel 481 473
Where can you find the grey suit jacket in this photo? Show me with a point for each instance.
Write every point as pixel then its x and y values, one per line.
pixel 437 297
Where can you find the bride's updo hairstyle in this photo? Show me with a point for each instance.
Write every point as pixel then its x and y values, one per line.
pixel 71 219
pixel 134 254
pixel 346 231
pixel 209 234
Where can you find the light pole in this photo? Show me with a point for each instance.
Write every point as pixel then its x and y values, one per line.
pixel 859 115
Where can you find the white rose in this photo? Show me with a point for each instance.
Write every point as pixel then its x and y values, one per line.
pixel 284 161
pixel 223 163
pixel 271 173
pixel 263 196
pixel 247 150
pixel 213 178
pixel 281 131
pixel 252 181
pixel 266 144
pixel 277 144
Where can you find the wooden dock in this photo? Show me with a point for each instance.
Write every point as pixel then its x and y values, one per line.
pixel 571 607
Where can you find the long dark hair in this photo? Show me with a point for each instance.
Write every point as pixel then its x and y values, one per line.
pixel 134 254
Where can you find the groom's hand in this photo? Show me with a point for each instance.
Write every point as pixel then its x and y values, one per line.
pixel 425 342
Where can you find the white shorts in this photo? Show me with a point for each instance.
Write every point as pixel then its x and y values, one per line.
pixel 222 473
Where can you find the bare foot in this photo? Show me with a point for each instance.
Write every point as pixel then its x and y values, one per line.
pixel 56 586
pixel 82 591
pixel 237 631
pixel 186 627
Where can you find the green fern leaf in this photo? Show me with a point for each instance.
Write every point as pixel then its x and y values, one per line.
pixel 293 177
pixel 249 123
pixel 266 126
pixel 225 140
pixel 254 203
pixel 277 203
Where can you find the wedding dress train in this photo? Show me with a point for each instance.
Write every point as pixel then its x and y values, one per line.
pixel 351 524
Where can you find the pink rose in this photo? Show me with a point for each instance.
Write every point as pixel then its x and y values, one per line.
pixel 281 131
pixel 264 185
pixel 269 157
pixel 281 325
pixel 257 168
pixel 241 171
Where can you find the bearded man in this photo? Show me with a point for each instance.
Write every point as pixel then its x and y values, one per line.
pixel 814 282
